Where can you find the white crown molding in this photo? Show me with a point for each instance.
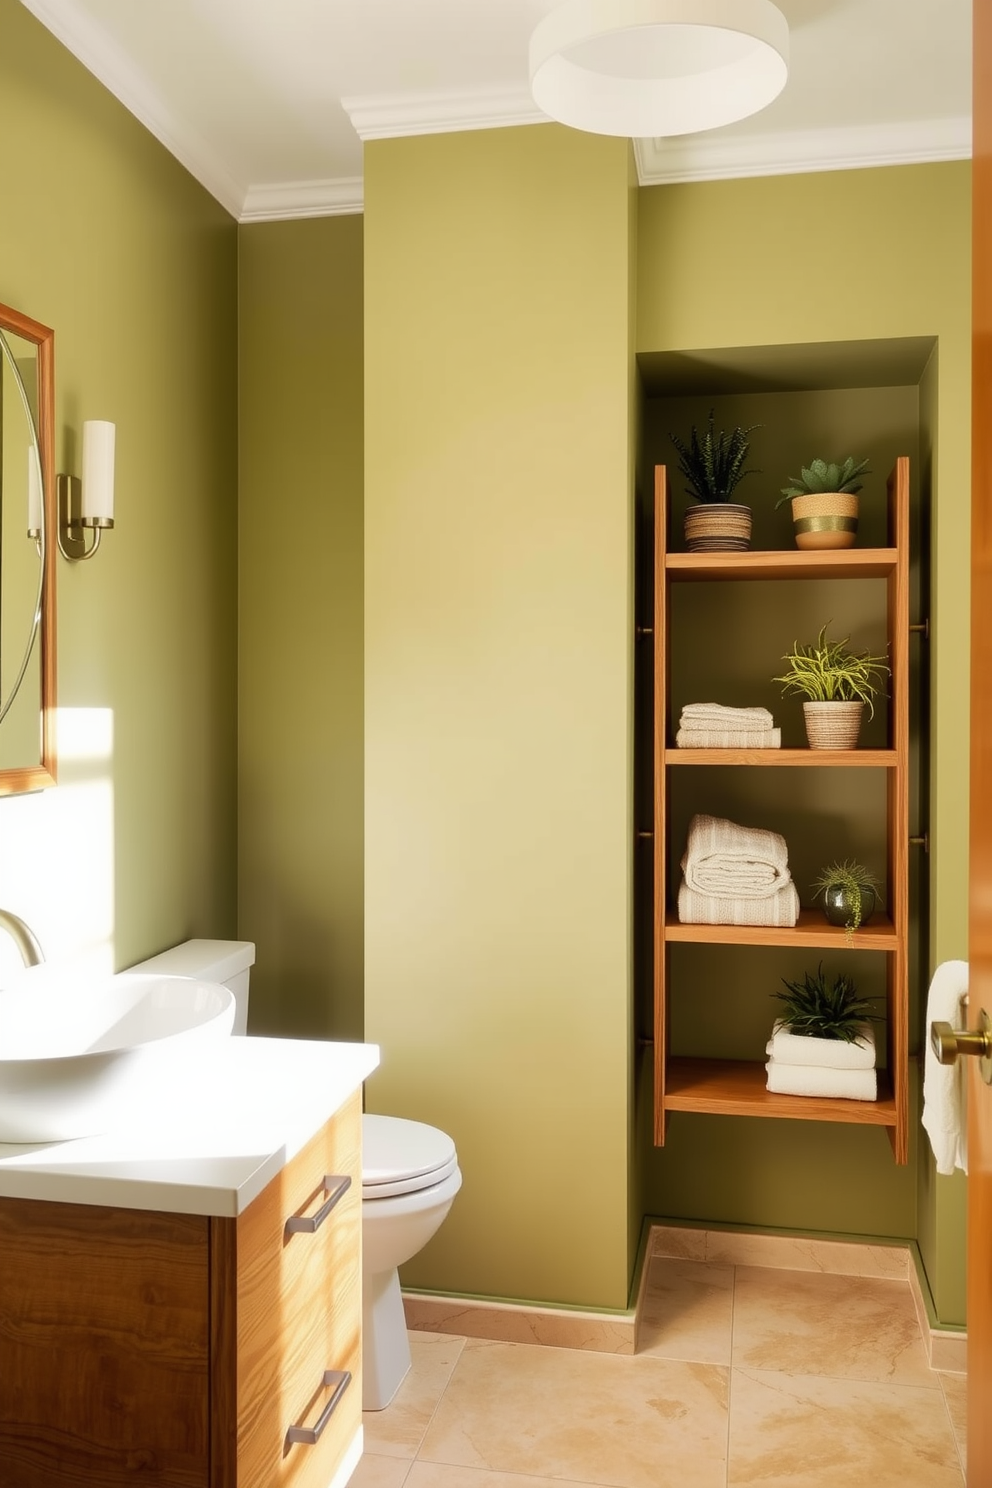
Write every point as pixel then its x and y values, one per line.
pixel 105 60
pixel 391 116
pixel 290 199
pixel 712 158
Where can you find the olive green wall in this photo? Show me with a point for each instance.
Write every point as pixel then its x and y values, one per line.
pixel 728 264
pixel 300 668
pixel 497 676
pixel 107 239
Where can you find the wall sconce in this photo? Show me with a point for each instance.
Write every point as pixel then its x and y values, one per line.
pixel 88 502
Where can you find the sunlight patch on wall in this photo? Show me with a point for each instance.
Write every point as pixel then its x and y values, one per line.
pixel 57 851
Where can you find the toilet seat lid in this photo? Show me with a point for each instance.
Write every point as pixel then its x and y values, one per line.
pixel 400 1155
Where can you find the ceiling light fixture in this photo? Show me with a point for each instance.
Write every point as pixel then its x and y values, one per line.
pixel 646 68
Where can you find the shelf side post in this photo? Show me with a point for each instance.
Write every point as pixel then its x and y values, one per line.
pixel 660 896
pixel 897 805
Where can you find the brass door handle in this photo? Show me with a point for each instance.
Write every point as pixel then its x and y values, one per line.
pixel 948 1043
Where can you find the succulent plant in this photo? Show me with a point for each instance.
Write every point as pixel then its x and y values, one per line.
pixel 820 476
pixel 814 1009
pixel 714 464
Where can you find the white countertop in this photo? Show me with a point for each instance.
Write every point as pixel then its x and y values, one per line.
pixel 209 1147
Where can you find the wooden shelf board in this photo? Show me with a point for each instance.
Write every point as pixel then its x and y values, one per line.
pixel 886 759
pixel 732 1087
pixel 846 563
pixel 812 930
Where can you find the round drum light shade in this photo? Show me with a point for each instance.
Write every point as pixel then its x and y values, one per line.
pixel 644 68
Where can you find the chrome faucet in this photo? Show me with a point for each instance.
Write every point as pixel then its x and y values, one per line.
pixel 23 937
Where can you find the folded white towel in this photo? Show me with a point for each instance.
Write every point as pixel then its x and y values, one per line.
pixel 728 738
pixel 734 862
pixel 780 908
pixel 806 1079
pixel 945 1085
pixel 792 1048
pixel 715 715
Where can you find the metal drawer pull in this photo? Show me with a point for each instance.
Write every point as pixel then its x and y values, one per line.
pixel 309 1436
pixel 305 1224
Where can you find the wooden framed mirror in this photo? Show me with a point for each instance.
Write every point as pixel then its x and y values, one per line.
pixel 27 553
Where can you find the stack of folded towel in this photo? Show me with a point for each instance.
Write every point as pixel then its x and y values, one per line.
pixel 712 726
pixel 819 1066
pixel 736 876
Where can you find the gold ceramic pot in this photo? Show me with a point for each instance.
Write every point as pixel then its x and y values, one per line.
pixel 827 520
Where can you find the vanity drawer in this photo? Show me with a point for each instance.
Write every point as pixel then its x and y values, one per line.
pixel 299 1311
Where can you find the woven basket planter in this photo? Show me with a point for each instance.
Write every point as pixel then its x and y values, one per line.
pixel 718 527
pixel 833 725
pixel 829 520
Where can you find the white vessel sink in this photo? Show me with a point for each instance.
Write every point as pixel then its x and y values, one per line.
pixel 77 1058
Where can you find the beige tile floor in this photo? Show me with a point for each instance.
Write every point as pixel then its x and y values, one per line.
pixel 745 1377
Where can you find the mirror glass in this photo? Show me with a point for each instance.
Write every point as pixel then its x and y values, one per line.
pixel 26 543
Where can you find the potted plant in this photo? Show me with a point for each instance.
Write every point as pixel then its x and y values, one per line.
pixel 849 892
pixel 837 683
pixel 825 503
pixel 813 1008
pixel 713 464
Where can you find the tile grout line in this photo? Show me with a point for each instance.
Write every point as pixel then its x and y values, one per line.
pixel 437 1406
pixel 730 1370
pixel 947 1409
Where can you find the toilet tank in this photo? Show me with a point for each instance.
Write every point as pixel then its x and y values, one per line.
pixel 227 961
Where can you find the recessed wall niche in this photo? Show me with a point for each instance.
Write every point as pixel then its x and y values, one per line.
pixel 873 400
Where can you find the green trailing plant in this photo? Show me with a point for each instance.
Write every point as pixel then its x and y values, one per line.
pixel 855 880
pixel 815 1008
pixel 822 476
pixel 828 672
pixel 714 464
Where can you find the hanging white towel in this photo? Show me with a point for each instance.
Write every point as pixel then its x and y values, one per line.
pixel 792 1048
pixel 808 1079
pixel 945 1085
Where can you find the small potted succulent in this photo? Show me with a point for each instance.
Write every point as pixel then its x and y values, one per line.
pixel 714 464
pixel 837 683
pixel 814 1008
pixel 825 503
pixel 849 892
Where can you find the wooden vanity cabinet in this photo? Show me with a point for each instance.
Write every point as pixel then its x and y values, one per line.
pixel 178 1350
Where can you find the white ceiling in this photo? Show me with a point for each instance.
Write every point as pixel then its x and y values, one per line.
pixel 267 102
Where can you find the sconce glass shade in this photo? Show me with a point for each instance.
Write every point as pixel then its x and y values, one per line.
pixel 99 438
pixel 648 68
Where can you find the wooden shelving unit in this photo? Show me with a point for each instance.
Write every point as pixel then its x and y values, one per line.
pixel 737 1087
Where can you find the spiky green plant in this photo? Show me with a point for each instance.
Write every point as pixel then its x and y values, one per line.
pixel 854 878
pixel 820 475
pixel 714 464
pixel 814 1009
pixel 827 672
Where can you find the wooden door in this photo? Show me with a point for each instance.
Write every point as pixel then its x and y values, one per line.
pixel 980 929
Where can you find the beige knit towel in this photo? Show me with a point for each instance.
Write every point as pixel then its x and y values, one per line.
pixel 808 1079
pixel 728 738
pixel 780 908
pixel 734 862
pixel 715 715
pixel 792 1048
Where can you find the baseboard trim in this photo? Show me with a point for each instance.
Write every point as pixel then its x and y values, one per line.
pixel 510 1322
pixel 617 1332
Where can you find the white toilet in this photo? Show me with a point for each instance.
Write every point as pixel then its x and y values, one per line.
pixel 410 1176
